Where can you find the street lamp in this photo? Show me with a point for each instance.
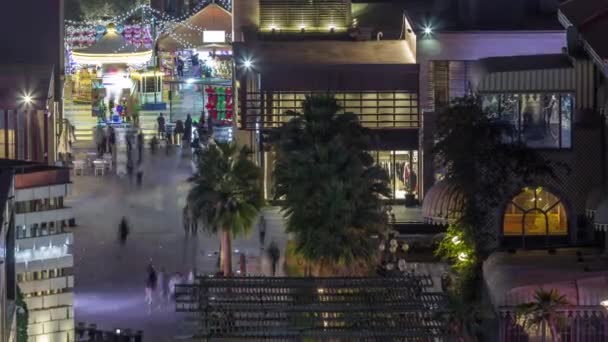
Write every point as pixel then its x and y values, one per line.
pixel 247 64
pixel 428 30
pixel 27 99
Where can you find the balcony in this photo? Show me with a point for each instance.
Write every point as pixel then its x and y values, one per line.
pixel 43 192
pixel 50 301
pixel 63 261
pixel 55 240
pixel 38 217
pixel 58 283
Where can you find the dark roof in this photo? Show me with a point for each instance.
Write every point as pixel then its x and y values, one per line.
pixel 451 15
pixel 522 63
pixel 24 167
pixel 17 80
pixel 590 17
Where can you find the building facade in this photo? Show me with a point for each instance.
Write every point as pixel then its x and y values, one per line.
pixel 313 42
pixel 44 260
pixel 8 289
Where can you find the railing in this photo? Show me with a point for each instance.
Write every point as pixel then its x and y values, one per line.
pixel 375 109
pixel 576 324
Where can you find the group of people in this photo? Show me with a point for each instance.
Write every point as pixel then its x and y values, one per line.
pixel 181 134
pixel 105 140
pixel 162 288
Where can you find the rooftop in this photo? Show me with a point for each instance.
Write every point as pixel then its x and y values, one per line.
pixel 590 17
pixel 333 52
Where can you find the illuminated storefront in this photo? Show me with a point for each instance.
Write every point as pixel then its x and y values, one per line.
pixel 541 120
pixel 534 216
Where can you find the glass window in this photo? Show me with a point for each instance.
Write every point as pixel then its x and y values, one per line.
pixel 535 212
pixel 540 120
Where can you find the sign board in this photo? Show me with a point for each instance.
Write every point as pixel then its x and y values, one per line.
pixel 210 36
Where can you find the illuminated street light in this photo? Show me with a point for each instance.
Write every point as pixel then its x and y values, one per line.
pixel 428 30
pixel 247 64
pixel 27 99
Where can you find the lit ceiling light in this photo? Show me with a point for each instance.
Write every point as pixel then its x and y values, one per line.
pixel 27 99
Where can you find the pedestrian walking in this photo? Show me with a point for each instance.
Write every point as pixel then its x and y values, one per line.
pixel 161 125
pixel 176 279
pixel 179 132
pixel 188 130
pixel 123 231
pixel 139 174
pixel 161 286
pixel 151 282
pixel 186 219
pixel 140 146
pixel 111 139
pixel 262 228
pixel 99 136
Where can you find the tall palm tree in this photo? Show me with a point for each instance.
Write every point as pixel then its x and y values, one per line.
pixel 543 311
pixel 226 195
pixel 331 189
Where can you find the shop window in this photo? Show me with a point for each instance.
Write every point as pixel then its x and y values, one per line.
pixel 540 120
pixel 535 212
pixel 402 170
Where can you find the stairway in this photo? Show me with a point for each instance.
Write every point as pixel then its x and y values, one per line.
pixel 80 115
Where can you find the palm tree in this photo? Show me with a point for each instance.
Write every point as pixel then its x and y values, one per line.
pixel 462 318
pixel 226 195
pixel 331 189
pixel 543 311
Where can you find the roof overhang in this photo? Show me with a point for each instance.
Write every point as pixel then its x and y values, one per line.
pixel 135 58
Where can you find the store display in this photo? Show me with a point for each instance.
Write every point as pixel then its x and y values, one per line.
pixel 219 103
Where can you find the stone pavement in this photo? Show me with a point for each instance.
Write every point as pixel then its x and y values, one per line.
pixel 110 278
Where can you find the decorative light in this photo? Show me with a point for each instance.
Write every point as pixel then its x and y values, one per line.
pixel 320 290
pixel 456 240
pixel 462 256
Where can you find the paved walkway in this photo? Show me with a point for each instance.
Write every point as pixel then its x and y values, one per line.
pixel 110 278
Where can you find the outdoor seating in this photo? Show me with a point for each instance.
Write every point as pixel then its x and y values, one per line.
pixel 99 167
pixel 108 159
pixel 79 166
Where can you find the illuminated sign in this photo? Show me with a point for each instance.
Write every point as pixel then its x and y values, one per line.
pixel 210 36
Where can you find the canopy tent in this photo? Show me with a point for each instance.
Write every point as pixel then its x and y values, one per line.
pixel 337 309
pixel 112 49
pixel 189 34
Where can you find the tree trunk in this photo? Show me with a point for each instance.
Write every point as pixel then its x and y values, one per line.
pixel 543 332
pixel 226 254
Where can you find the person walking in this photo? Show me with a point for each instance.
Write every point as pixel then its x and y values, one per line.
pixel 262 228
pixel 139 174
pixel 186 219
pixel 160 286
pixel 161 125
pixel 151 282
pixel 140 146
pixel 123 231
pixel 111 139
pixel 188 130
pixel 179 132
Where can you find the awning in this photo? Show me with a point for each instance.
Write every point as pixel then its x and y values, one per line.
pixel 443 204
pixel 112 48
pixel 593 201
